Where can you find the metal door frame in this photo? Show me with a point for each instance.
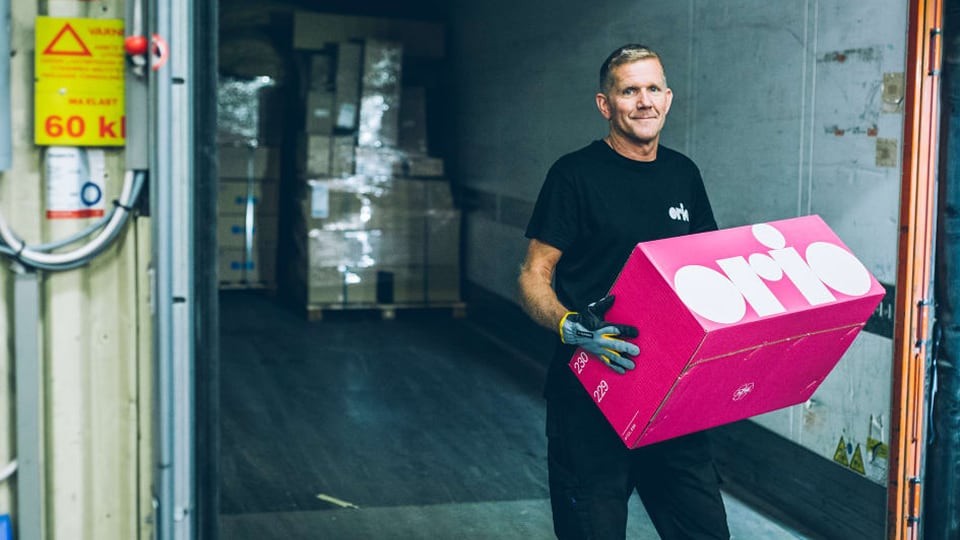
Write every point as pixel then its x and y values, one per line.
pixel 911 343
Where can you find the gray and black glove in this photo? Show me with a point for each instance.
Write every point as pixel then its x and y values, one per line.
pixel 599 337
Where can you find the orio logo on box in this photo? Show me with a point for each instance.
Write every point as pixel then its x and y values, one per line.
pixel 723 296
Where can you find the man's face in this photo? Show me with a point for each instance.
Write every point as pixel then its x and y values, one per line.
pixel 637 103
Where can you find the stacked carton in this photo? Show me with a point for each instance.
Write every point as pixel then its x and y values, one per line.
pixel 248 185
pixel 366 233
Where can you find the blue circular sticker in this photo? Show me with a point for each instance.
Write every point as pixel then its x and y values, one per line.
pixel 90 194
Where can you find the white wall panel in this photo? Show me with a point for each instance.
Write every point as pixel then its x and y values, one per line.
pixel 494 253
pixel 750 97
pixel 94 333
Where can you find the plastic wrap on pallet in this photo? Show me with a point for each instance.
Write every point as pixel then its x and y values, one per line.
pixel 381 64
pixel 344 249
pixel 403 242
pixel 414 259
pixel 412 129
pixel 238 110
pixel 359 202
pixel 380 94
pixel 347 84
pixel 380 240
pixel 342 156
pixel 379 163
pixel 379 121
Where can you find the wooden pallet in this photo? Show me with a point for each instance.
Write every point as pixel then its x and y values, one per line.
pixel 315 312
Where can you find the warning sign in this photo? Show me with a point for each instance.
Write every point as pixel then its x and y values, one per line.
pixel 856 462
pixel 840 455
pixel 79 82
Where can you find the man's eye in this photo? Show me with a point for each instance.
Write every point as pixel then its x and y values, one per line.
pixel 629 91
pixel 654 89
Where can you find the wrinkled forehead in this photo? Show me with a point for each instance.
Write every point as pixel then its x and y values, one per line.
pixel 643 71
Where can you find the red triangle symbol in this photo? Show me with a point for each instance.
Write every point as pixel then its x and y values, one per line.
pixel 67 43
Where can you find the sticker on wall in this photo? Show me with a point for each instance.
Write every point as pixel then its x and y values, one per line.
pixel 6 529
pixel 893 91
pixel 886 152
pixel 840 455
pixel 876 449
pixel 75 182
pixel 856 462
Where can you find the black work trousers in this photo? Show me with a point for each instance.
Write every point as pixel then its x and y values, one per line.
pixel 593 474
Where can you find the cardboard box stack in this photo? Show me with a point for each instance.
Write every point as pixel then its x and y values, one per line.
pixel 248 184
pixel 367 233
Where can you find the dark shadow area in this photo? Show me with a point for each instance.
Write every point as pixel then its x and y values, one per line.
pixel 418 410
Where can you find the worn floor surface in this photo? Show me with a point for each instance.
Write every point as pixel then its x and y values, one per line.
pixel 355 427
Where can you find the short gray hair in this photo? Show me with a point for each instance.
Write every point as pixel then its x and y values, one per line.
pixel 626 54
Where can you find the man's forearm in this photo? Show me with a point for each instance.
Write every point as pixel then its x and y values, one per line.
pixel 540 302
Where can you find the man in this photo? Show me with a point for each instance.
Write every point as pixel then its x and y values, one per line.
pixel 596 204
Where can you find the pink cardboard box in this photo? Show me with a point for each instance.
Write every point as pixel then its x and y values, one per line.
pixel 733 323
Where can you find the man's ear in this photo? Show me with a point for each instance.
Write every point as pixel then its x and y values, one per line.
pixel 603 104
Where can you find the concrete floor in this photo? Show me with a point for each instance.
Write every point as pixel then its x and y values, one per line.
pixel 502 520
pixel 416 428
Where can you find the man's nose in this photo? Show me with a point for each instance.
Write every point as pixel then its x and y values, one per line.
pixel 643 100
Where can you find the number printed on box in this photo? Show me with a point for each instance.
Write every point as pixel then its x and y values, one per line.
pixel 600 391
pixel 581 362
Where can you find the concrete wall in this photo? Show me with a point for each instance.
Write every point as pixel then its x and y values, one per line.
pixel 94 337
pixel 783 105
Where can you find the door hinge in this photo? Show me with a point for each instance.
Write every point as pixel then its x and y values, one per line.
pixel 923 323
pixel 934 59
pixel 913 512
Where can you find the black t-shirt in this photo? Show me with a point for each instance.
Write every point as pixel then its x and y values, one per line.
pixel 595 206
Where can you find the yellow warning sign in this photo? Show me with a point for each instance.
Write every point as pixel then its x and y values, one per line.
pixel 856 462
pixel 79 70
pixel 840 455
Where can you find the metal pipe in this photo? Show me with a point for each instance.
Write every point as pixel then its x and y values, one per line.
pixel 171 166
pixel 161 179
pixel 942 479
pixel 6 138
pixel 29 400
pixel 184 352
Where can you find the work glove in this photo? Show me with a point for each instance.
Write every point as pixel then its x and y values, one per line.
pixel 589 331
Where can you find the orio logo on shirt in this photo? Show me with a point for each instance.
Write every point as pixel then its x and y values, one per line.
pixel 723 296
pixel 679 213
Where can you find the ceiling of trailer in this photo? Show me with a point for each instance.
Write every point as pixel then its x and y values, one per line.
pixel 413 9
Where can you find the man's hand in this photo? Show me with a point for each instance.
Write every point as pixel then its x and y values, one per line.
pixel 598 337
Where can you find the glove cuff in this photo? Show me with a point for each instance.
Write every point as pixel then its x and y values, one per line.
pixel 563 321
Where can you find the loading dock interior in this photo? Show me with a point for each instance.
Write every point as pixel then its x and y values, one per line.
pixel 788 110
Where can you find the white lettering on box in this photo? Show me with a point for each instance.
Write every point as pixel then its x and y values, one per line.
pixel 580 362
pixel 600 391
pixel 709 293
pixel 722 297
pixel 838 268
